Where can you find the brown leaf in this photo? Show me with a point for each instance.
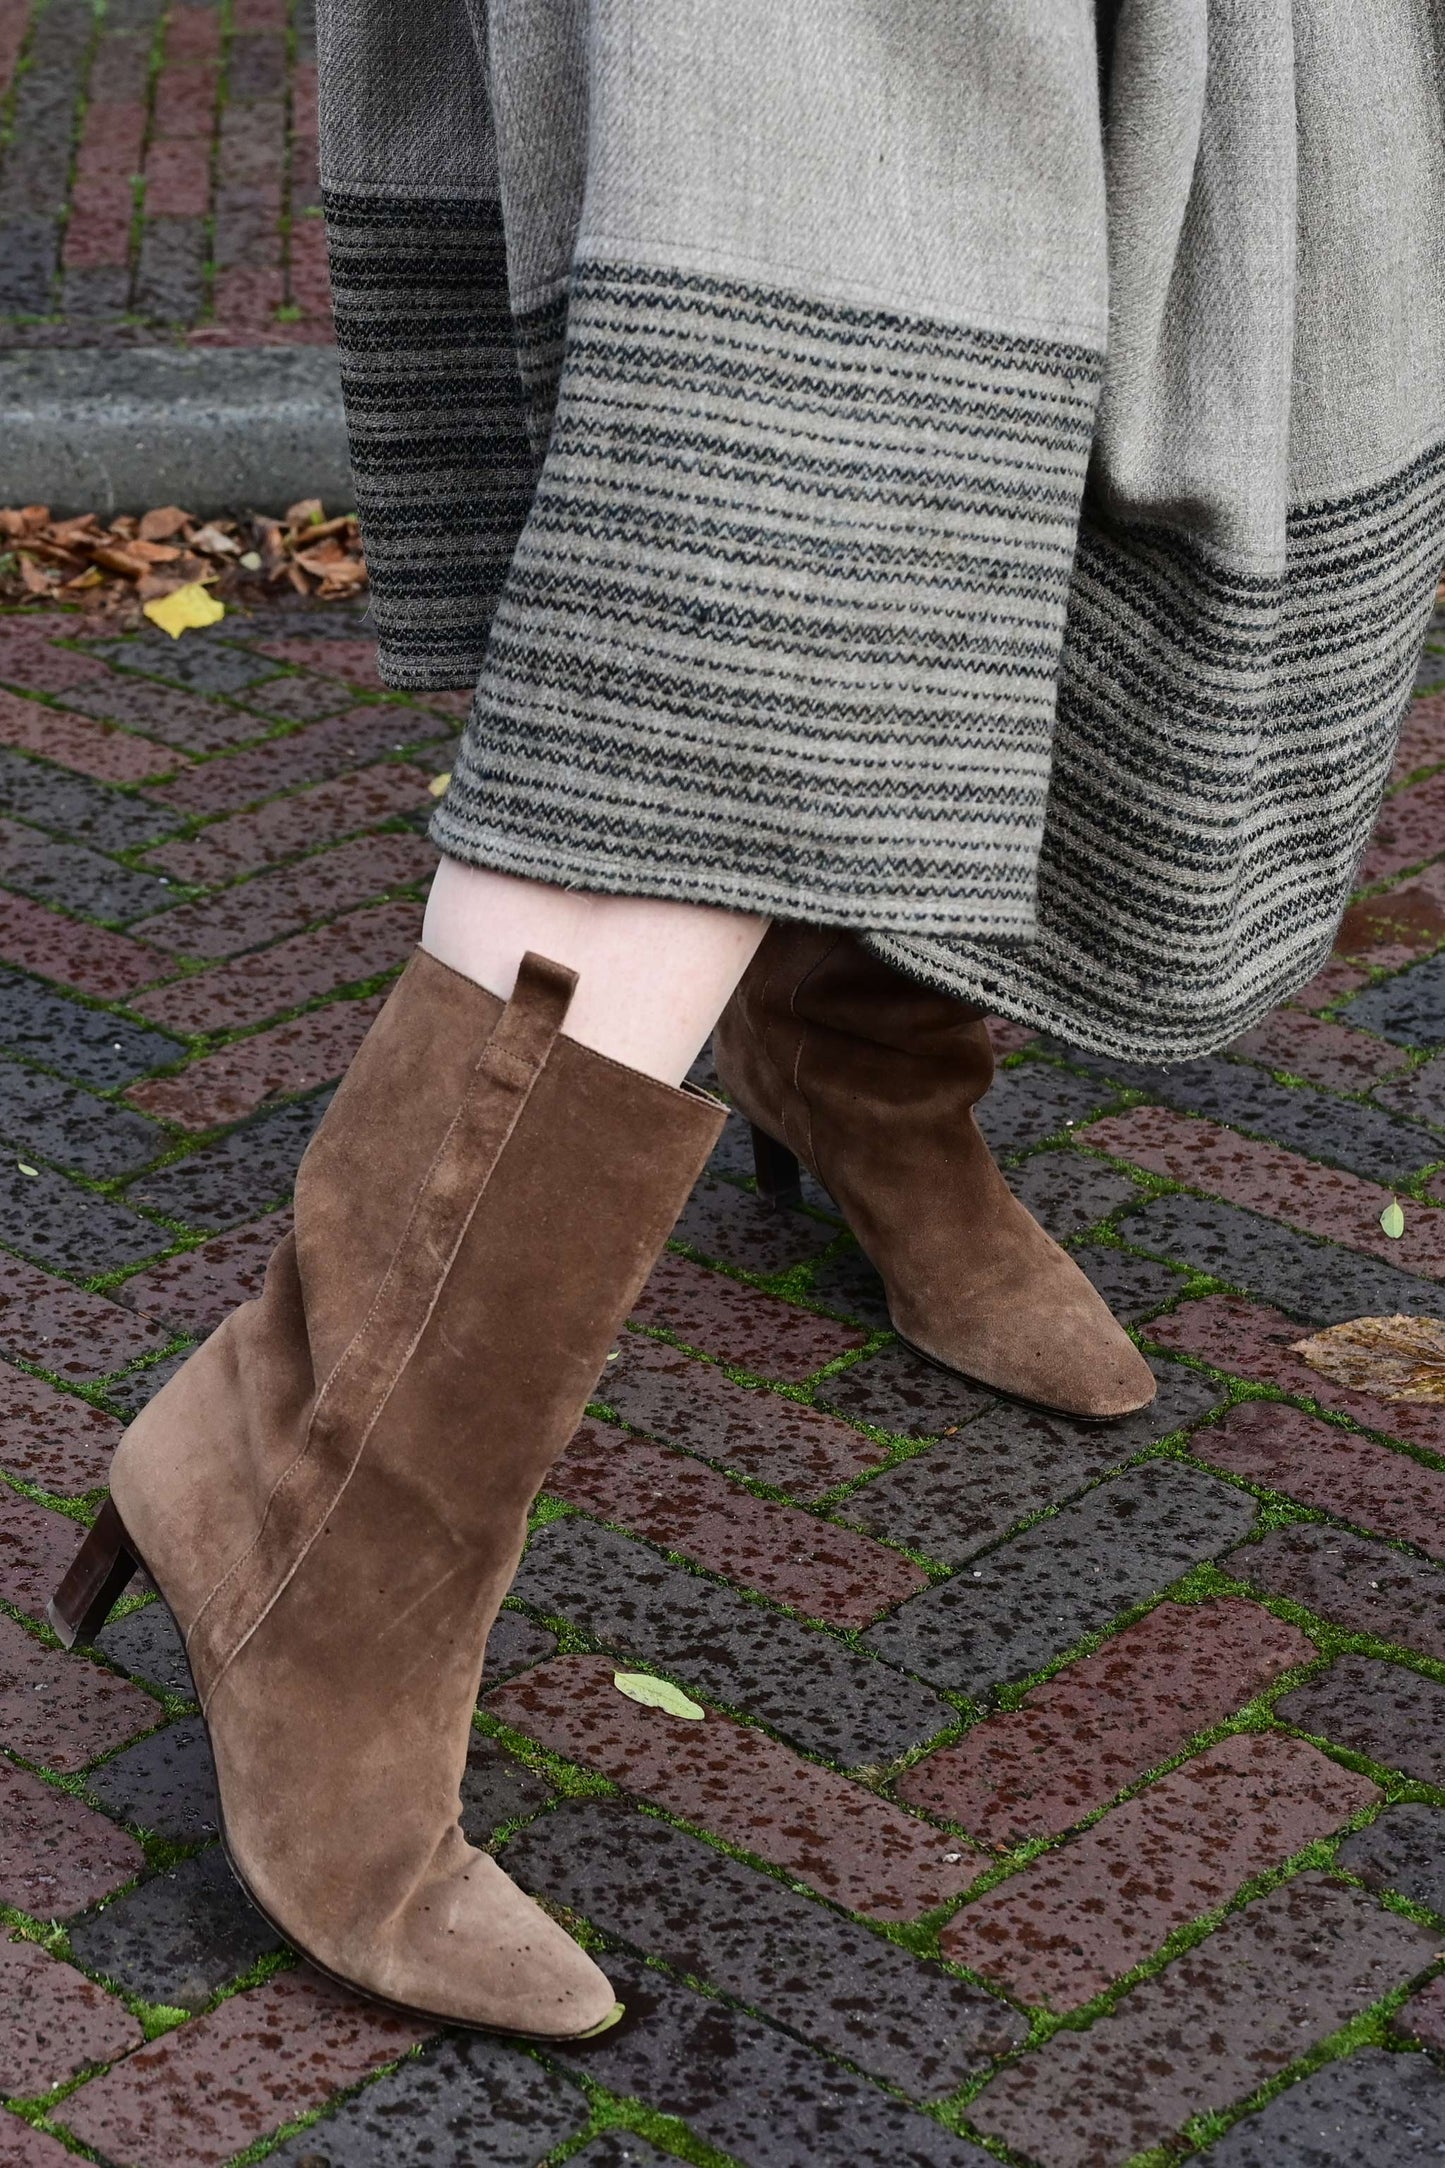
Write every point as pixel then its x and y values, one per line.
pixel 120 561
pixel 35 580
pixel 156 584
pixel 298 579
pixel 162 523
pixel 306 512
pixel 210 539
pixel 1397 1358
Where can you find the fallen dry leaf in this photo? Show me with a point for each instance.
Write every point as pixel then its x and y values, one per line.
pixel 163 522
pixel 308 512
pixel 184 609
pixel 1398 1358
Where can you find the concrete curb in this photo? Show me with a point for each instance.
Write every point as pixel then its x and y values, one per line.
pixel 227 429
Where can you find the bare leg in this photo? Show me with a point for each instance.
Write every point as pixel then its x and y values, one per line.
pixel 653 977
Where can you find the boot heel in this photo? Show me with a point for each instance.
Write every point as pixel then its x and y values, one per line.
pixel 780 1178
pixel 100 1570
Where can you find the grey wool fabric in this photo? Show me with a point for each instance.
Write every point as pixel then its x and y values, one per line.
pixel 973 473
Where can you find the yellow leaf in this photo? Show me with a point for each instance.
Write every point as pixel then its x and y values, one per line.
pixel 439 783
pixel 24 1169
pixel 185 608
pixel 1392 1219
pixel 657 1694
pixel 1397 1358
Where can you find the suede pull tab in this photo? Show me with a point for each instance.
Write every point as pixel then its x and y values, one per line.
pixel 529 1025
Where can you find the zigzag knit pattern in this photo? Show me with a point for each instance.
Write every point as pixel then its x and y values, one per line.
pixel 782 631
pixel 1223 742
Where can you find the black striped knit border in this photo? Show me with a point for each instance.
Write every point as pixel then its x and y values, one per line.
pixel 437 420
pixel 783 627
pixel 1223 744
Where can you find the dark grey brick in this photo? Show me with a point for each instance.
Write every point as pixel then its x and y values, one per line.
pixel 29 252
pixel 1036 1101
pixel 1369 2110
pixel 136 1389
pixel 808 1686
pixel 842 1987
pixel 757 2093
pixel 170 282
pixel 468 2103
pixel 179 1936
pixel 1318 1282
pixel 1338 1131
pixel 55 1222
pixel 515 1643
pixel 301 699
pixel 1010 1461
pixel 733 1155
pixel 1431 674
pixel 620 2149
pixel 1366 1587
pixel 75 878
pixel 78 807
pixel 167 1783
pixel 147 1644
pixel 239 1175
pixel 1409 1008
pixel 203 662
pixel 897 1391
pixel 1394 1716
pixel 1063 1578
pixel 1404 1851
pixel 1133 1287
pixel 497 1788
pixel 1419 1095
pixel 731 1224
pixel 1068 1193
pixel 46 1118
pixel 176 717
pixel 848 1284
pixel 41 1025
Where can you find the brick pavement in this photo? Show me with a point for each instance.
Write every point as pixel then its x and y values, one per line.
pixel 1062 1796
pixel 158 177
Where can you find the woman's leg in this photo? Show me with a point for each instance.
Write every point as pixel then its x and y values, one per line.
pixel 652 977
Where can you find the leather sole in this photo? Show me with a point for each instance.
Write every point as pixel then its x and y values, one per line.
pixel 1019 1400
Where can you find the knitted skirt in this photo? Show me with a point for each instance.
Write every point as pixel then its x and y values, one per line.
pixel 972 474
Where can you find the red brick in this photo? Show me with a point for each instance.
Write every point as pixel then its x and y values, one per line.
pixel 27 2147
pixel 1410 829
pixel 186 102
pixel 291 1057
pixel 178 178
pixel 73 741
pixel 61 1711
pixel 1330 1054
pixel 846 1842
pixel 290 825
pixel 682 1504
pixel 739 1325
pixel 53 2021
pixel 1423 2016
pixel 1253 1342
pixel 250 296
pixel 353 660
pixel 1280 1184
pixel 291 898
pixel 89 958
pixel 680 1401
pixel 200 1287
pixel 1422 738
pixel 1006 1036
pixel 1282 1449
pixel 29 658
pixel 1075 1919
pixel 36 1546
pixel 192 34
pixel 1100 1724
pixel 51 1439
pixel 1329 986
pixel 1274 1979
pixel 218 2084
pixel 1390 930
pixel 340 745
pixel 14 21
pixel 66 1330
pixel 267 981
pixel 57 1856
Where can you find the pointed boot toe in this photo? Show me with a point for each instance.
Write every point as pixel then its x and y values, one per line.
pixel 870 1079
pixel 332 1494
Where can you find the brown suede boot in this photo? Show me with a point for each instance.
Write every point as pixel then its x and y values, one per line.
pixel 332 1495
pixel 871 1079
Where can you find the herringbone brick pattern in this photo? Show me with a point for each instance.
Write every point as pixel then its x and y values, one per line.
pixel 1064 1796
